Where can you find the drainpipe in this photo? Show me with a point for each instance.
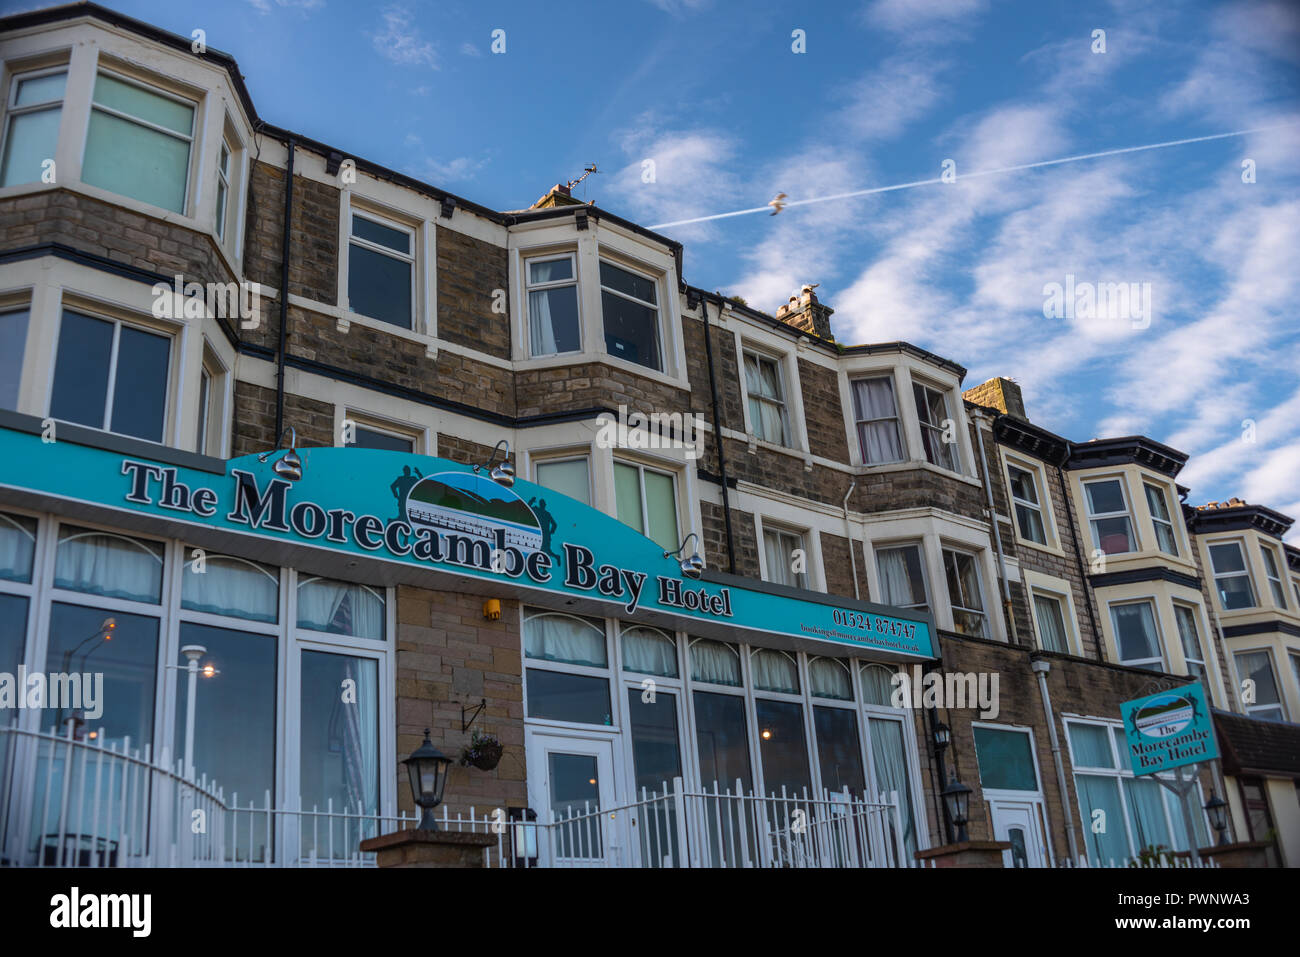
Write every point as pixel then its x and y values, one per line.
pixel 997 534
pixel 848 530
pixel 717 430
pixel 284 292
pixel 1041 668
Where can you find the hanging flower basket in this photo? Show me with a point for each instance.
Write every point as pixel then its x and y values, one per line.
pixel 484 752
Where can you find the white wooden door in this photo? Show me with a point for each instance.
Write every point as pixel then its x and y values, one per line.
pixel 571 782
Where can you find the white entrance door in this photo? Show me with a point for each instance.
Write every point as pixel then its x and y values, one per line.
pixel 571 781
pixel 1017 822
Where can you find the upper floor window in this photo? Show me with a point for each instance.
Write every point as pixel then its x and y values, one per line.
pixel 1112 528
pixel 1050 618
pixel 646 499
pixel 1164 525
pixel 1189 635
pixel 367 437
pixel 13 341
pixel 1273 575
pixel 630 305
pixel 785 556
pixel 1231 577
pixel 767 412
pixel 964 593
pixel 31 135
pixel 210 436
pixel 568 476
pixel 1257 668
pixel 138 142
pixel 1029 511
pixel 381 270
pixel 553 325
pixel 902 577
pixel 932 410
pixel 876 415
pixel 110 375
pixel 1136 635
pixel 223 189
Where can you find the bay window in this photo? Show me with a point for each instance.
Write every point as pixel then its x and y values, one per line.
pixel 1231 576
pixel 902 577
pixel 31 133
pixel 1273 576
pixel 1158 504
pixel 932 410
pixel 876 417
pixel 1108 517
pixel 138 142
pixel 630 308
pixel 964 593
pixel 1189 635
pixel 646 499
pixel 553 324
pixel 1137 636
pixel 767 412
pixel 783 550
pixel 110 375
pixel 1256 667
pixel 381 269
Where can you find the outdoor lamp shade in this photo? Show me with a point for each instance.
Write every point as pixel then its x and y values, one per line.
pixel 503 474
pixel 289 466
pixel 693 567
pixel 956 797
pixel 942 735
pixel 1217 808
pixel 427 767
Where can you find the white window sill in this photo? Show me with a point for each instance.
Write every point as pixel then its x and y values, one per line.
pixel 604 358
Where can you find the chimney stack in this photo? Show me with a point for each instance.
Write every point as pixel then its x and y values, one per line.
pixel 558 195
pixel 1001 394
pixel 804 312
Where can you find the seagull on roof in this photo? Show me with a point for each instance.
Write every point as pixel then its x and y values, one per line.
pixel 778 203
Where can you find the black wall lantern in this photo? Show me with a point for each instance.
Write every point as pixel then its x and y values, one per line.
pixel 956 797
pixel 427 767
pixel 1217 808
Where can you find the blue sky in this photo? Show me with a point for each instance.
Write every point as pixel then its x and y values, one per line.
pixel 885 92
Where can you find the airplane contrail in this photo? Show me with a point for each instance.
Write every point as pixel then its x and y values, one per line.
pixel 986 172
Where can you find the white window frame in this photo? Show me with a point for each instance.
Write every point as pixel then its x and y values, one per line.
pixel 1156 521
pixel 584 456
pixel 1066 607
pixel 411 259
pixel 642 468
pixel 1245 572
pixel 786 439
pixel 1276 583
pixel 976 562
pixel 1094 517
pixel 210 437
pixel 1152 603
pixel 222 221
pixel 658 307
pixel 530 286
pixel 936 429
pixel 919 545
pixel 12 110
pixel 1252 709
pixel 1035 475
pixel 799 537
pixel 610 673
pixel 896 418
pixel 1194 611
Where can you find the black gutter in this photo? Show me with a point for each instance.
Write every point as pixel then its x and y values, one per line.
pixel 284 294
pixel 717 431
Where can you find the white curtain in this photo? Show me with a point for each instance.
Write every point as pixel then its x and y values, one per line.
pixel 1051 628
pixel 778 560
pixel 649 652
pixel 880 439
pixel 361 745
pixel 830 679
pixel 231 586
pixel 878 685
pixel 715 662
pixel 774 671
pixel 894 581
pixel 17 546
pixel 763 381
pixel 109 565
pixel 889 762
pixel 564 638
pixel 340 608
pixel 540 329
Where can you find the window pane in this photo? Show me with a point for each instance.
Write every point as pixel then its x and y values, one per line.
pixel 902 580
pixel 1006 760
pixel 395 239
pixel 31 140
pixel 1090 746
pixel 877 415
pixel 878 685
pixel 339 744
pixel 830 679
pixel 140 387
pixel 340 608
pixel 13 636
pixel 144 104
pixel 1227 558
pixel 379 286
pixel 1102 794
pixel 715 662
pixel 233 587
pixel 41 89
pixel 550 270
pixel 627 495
pixel 649 651
pixel 1257 667
pixel 1135 631
pixel 627 283
pixel 662 508
pixel 774 671
pixel 839 750
pixel 1113 535
pixel 553 320
pixel 374 439
pixel 564 697
pixel 112 565
pixel 81 370
pixel 1051 623
pixel 136 161
pixel 656 754
pixel 1105 497
pixel 782 747
pixel 723 741
pixel 575 641
pixel 17 547
pixel 568 478
pixel 631 330
pixel 890 772
pixel 236 705
pixel 1147 813
pixel 1189 635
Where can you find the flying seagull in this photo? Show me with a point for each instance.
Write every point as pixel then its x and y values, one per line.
pixel 778 203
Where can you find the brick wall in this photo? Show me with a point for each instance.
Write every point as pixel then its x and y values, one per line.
pixel 469 271
pixel 823 413
pixel 839 566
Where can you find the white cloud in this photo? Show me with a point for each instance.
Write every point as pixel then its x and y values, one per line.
pixel 469 49
pixel 401 42
pixel 885 100
pixel 305 6
pixel 904 16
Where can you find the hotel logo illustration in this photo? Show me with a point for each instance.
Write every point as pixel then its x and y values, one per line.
pixel 467 504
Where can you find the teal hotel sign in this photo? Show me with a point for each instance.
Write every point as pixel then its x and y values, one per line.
pixel 1169 729
pixel 398 518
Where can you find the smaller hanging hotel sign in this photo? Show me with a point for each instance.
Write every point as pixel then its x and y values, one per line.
pixel 441 515
pixel 1169 729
